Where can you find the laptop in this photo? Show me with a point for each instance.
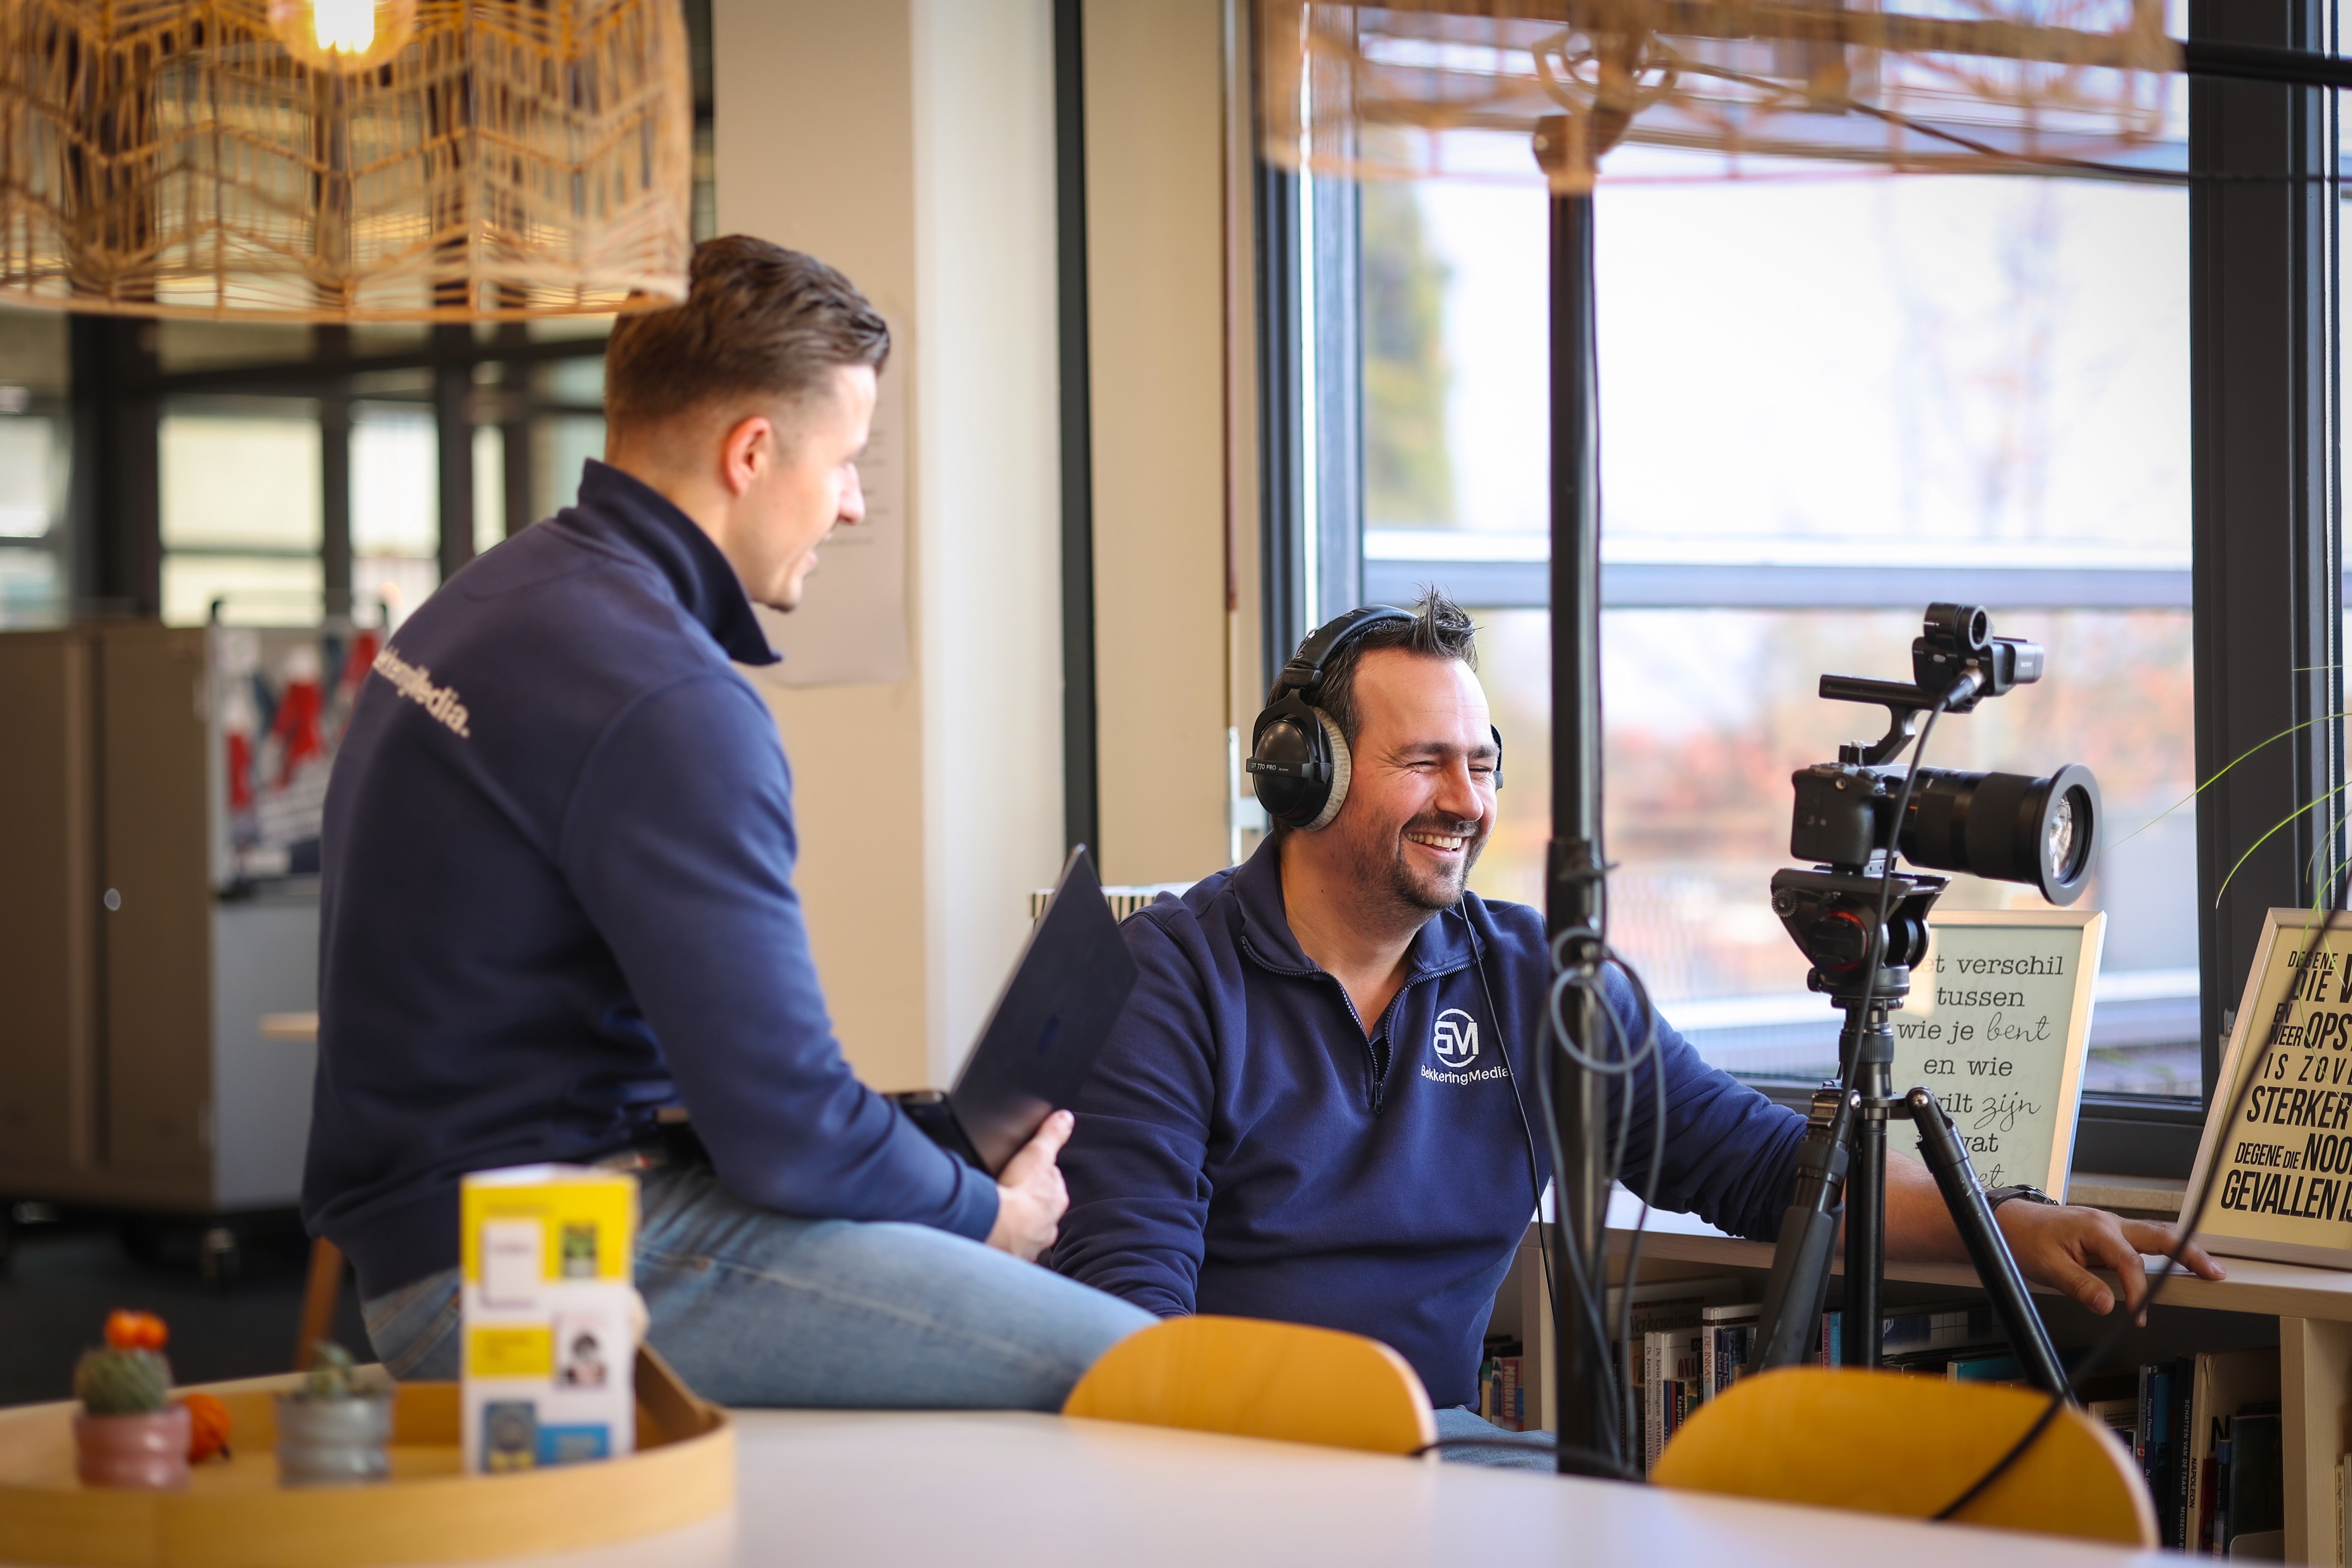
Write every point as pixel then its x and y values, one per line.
pixel 1049 1024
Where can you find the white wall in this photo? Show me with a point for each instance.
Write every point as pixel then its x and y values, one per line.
pixel 990 482
pixel 909 142
pixel 1156 256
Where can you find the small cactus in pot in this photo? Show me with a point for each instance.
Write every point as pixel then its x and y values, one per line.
pixel 128 1433
pixel 332 1430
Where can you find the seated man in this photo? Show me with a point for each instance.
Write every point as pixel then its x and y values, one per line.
pixel 1314 1108
pixel 557 907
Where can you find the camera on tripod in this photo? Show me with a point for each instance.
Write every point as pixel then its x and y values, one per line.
pixel 2005 827
pixel 1863 925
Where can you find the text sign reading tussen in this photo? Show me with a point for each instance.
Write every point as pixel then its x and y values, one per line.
pixel 1997 1023
pixel 2282 1166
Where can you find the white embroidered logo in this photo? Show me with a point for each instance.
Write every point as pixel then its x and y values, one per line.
pixel 1456 1040
pixel 415 683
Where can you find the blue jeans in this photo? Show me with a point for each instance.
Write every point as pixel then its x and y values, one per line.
pixel 1510 1450
pixel 755 1307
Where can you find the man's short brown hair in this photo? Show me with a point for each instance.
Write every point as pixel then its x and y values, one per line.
pixel 758 322
pixel 1440 628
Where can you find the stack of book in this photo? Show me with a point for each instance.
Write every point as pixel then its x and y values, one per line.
pixel 2204 1430
pixel 1501 1398
pixel 1664 1316
pixel 2224 1481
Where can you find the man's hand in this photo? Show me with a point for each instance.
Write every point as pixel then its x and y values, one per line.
pixel 1029 1197
pixel 2059 1245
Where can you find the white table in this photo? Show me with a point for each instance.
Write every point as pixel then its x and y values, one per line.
pixel 979 1489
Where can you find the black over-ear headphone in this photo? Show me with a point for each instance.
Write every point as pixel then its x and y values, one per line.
pixel 1299 761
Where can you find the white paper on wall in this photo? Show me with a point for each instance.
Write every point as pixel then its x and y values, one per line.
pixel 851 625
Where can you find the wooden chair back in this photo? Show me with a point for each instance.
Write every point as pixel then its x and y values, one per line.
pixel 1887 1442
pixel 1255 1378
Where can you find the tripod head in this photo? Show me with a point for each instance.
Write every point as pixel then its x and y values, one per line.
pixel 1830 914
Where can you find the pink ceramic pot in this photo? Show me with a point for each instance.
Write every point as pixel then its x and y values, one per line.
pixel 149 1452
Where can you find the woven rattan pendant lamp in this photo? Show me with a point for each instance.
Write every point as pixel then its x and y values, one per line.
pixel 1968 86
pixel 344 160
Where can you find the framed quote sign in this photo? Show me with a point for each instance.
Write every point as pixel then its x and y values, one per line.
pixel 2282 1166
pixel 1997 1023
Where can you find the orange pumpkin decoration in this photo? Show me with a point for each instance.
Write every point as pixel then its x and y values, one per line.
pixel 128 1330
pixel 207 1428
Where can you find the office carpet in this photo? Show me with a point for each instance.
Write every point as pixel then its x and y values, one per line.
pixel 63 1277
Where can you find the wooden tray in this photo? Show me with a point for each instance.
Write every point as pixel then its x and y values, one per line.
pixel 235 1514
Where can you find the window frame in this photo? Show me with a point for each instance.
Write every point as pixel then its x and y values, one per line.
pixel 2264 487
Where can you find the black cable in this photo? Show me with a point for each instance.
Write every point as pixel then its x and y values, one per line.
pixel 1526 1127
pixel 1589 1276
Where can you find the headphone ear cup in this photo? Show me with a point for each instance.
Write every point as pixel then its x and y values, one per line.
pixel 1496 730
pixel 1284 765
pixel 1342 766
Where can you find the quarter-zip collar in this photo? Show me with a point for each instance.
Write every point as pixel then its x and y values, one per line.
pixel 1442 945
pixel 624 514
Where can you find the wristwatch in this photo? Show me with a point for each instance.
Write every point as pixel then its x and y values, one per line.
pixel 1996 1196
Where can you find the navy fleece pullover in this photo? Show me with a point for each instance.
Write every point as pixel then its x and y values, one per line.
pixel 556 897
pixel 1242 1148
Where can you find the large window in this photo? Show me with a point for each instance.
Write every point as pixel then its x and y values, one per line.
pixel 1827 399
pixel 36 461
pixel 318 482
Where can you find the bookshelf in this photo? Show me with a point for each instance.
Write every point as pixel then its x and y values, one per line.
pixel 2306 1313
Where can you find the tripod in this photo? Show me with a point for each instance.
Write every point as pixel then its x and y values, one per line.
pixel 1864 967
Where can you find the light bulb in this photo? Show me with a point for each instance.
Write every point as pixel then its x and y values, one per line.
pixel 344 35
pixel 343 26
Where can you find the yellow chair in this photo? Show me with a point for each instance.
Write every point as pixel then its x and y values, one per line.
pixel 1260 1379
pixel 1885 1442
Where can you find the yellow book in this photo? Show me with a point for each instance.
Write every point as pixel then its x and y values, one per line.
pixel 550 1314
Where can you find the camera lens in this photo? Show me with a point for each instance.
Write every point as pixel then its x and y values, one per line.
pixel 2006 827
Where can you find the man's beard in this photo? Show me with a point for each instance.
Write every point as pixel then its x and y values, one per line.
pixel 1393 883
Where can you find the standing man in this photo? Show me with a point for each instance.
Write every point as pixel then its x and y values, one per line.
pixel 1314 1108
pixel 557 910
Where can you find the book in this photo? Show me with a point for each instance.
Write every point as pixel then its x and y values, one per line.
pixel 549 1316
pixel 1655 1305
pixel 1996 1367
pixel 1730 1335
pixel 2224 1383
pixel 1670 1359
pixel 2257 1483
pixel 2118 1416
pixel 2162 1446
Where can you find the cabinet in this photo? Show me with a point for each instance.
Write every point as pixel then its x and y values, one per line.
pixel 132 1068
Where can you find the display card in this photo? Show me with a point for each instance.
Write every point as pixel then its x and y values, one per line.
pixel 2278 1135
pixel 1997 1024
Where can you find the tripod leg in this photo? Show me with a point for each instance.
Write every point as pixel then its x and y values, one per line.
pixel 1869 1062
pixel 1789 1328
pixel 1947 1158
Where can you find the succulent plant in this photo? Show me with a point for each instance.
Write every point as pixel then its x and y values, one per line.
pixel 333 1374
pixel 122 1382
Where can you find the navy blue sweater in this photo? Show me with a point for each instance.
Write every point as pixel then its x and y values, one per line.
pixel 1242 1148
pixel 556 897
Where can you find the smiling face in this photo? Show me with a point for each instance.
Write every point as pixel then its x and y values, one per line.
pixel 797 470
pixel 1421 796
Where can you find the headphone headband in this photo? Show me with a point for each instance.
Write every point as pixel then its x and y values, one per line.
pixel 1304 673
pixel 1299 761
